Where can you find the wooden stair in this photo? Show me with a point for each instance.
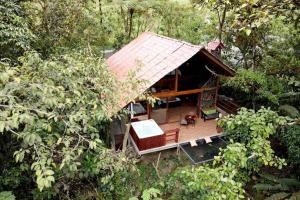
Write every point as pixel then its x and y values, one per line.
pixel 227 105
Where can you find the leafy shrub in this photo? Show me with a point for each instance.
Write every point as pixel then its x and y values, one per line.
pixel 7 195
pixel 254 130
pixel 291 139
pixel 15 35
pixel 149 194
pixel 287 110
pixel 205 182
pixel 55 111
pixel 277 188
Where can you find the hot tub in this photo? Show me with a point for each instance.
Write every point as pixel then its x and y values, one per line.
pixel 147 134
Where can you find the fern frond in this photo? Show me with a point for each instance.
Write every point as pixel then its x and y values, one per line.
pixel 289 182
pixel 268 187
pixel 269 177
pixel 278 196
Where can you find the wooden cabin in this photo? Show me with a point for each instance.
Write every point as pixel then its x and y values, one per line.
pixel 185 78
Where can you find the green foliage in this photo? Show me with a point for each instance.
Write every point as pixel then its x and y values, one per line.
pixel 287 110
pixel 105 24
pixel 56 105
pixel 256 86
pixel 149 194
pixel 58 109
pixel 291 138
pixel 284 38
pixel 54 23
pixel 277 188
pixel 205 182
pixel 14 177
pixel 248 151
pixel 7 195
pixel 15 35
pixel 254 130
pixel 246 24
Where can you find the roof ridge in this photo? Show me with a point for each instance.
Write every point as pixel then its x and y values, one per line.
pixel 173 39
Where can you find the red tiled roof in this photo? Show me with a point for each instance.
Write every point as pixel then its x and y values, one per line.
pixel 213 45
pixel 153 56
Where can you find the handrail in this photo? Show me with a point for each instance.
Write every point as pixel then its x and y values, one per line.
pixel 174 133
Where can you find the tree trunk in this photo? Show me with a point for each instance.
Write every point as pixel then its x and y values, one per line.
pixel 221 20
pixel 253 58
pixel 131 11
pixel 100 11
pixel 253 98
pixel 124 18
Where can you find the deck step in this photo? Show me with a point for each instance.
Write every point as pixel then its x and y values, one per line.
pixel 229 106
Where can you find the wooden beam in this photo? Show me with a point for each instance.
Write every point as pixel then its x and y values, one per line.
pixel 167 107
pixel 180 93
pixel 228 70
pixel 176 80
pixel 148 110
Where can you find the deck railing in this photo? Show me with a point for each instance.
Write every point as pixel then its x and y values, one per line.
pixel 171 135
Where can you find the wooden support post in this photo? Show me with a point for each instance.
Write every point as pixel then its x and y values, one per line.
pixel 167 109
pixel 125 140
pixel 178 151
pixel 217 90
pixel 176 80
pixel 148 110
pixel 131 111
pixel 177 135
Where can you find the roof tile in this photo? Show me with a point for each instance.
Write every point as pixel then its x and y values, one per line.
pixel 157 54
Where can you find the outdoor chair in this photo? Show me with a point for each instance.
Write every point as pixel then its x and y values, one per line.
pixel 209 114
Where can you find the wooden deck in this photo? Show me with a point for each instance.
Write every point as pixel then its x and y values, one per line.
pixel 200 130
pixel 188 133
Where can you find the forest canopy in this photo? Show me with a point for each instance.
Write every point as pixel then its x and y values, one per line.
pixel 58 97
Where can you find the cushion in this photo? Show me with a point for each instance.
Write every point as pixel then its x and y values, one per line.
pixel 210 111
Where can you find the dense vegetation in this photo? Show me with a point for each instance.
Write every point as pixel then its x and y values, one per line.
pixel 57 99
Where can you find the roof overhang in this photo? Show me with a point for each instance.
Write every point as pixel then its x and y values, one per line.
pixel 217 63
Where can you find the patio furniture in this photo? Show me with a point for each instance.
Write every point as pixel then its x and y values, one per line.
pixel 209 114
pixel 191 119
